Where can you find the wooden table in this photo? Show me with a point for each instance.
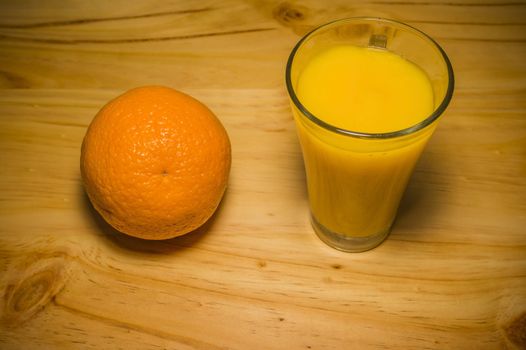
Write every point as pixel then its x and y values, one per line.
pixel 452 275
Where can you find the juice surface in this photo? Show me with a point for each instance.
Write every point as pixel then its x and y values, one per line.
pixel 355 185
pixel 366 90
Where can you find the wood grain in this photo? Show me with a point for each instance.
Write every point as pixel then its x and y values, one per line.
pixel 451 275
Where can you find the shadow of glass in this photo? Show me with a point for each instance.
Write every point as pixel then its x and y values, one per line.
pixel 418 204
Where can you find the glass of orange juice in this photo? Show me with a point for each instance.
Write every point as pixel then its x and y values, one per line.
pixel 366 94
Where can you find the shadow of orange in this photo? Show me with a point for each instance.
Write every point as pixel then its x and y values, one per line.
pixel 166 246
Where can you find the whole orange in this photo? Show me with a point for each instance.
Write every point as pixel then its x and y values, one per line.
pixel 155 162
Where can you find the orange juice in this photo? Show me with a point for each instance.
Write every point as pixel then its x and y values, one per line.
pixel 355 184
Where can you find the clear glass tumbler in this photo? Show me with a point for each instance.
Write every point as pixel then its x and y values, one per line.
pixel 355 179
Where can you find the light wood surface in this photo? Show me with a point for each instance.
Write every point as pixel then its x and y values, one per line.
pixel 452 275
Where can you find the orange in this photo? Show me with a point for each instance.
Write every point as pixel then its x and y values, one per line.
pixel 155 162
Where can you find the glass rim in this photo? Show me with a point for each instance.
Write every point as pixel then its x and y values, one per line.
pixel 437 112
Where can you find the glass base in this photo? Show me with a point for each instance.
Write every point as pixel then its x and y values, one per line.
pixel 346 243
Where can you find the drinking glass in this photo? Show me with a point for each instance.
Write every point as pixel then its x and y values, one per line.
pixel 355 179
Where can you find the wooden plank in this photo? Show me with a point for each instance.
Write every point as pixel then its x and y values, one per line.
pixel 450 275
pixel 232 44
